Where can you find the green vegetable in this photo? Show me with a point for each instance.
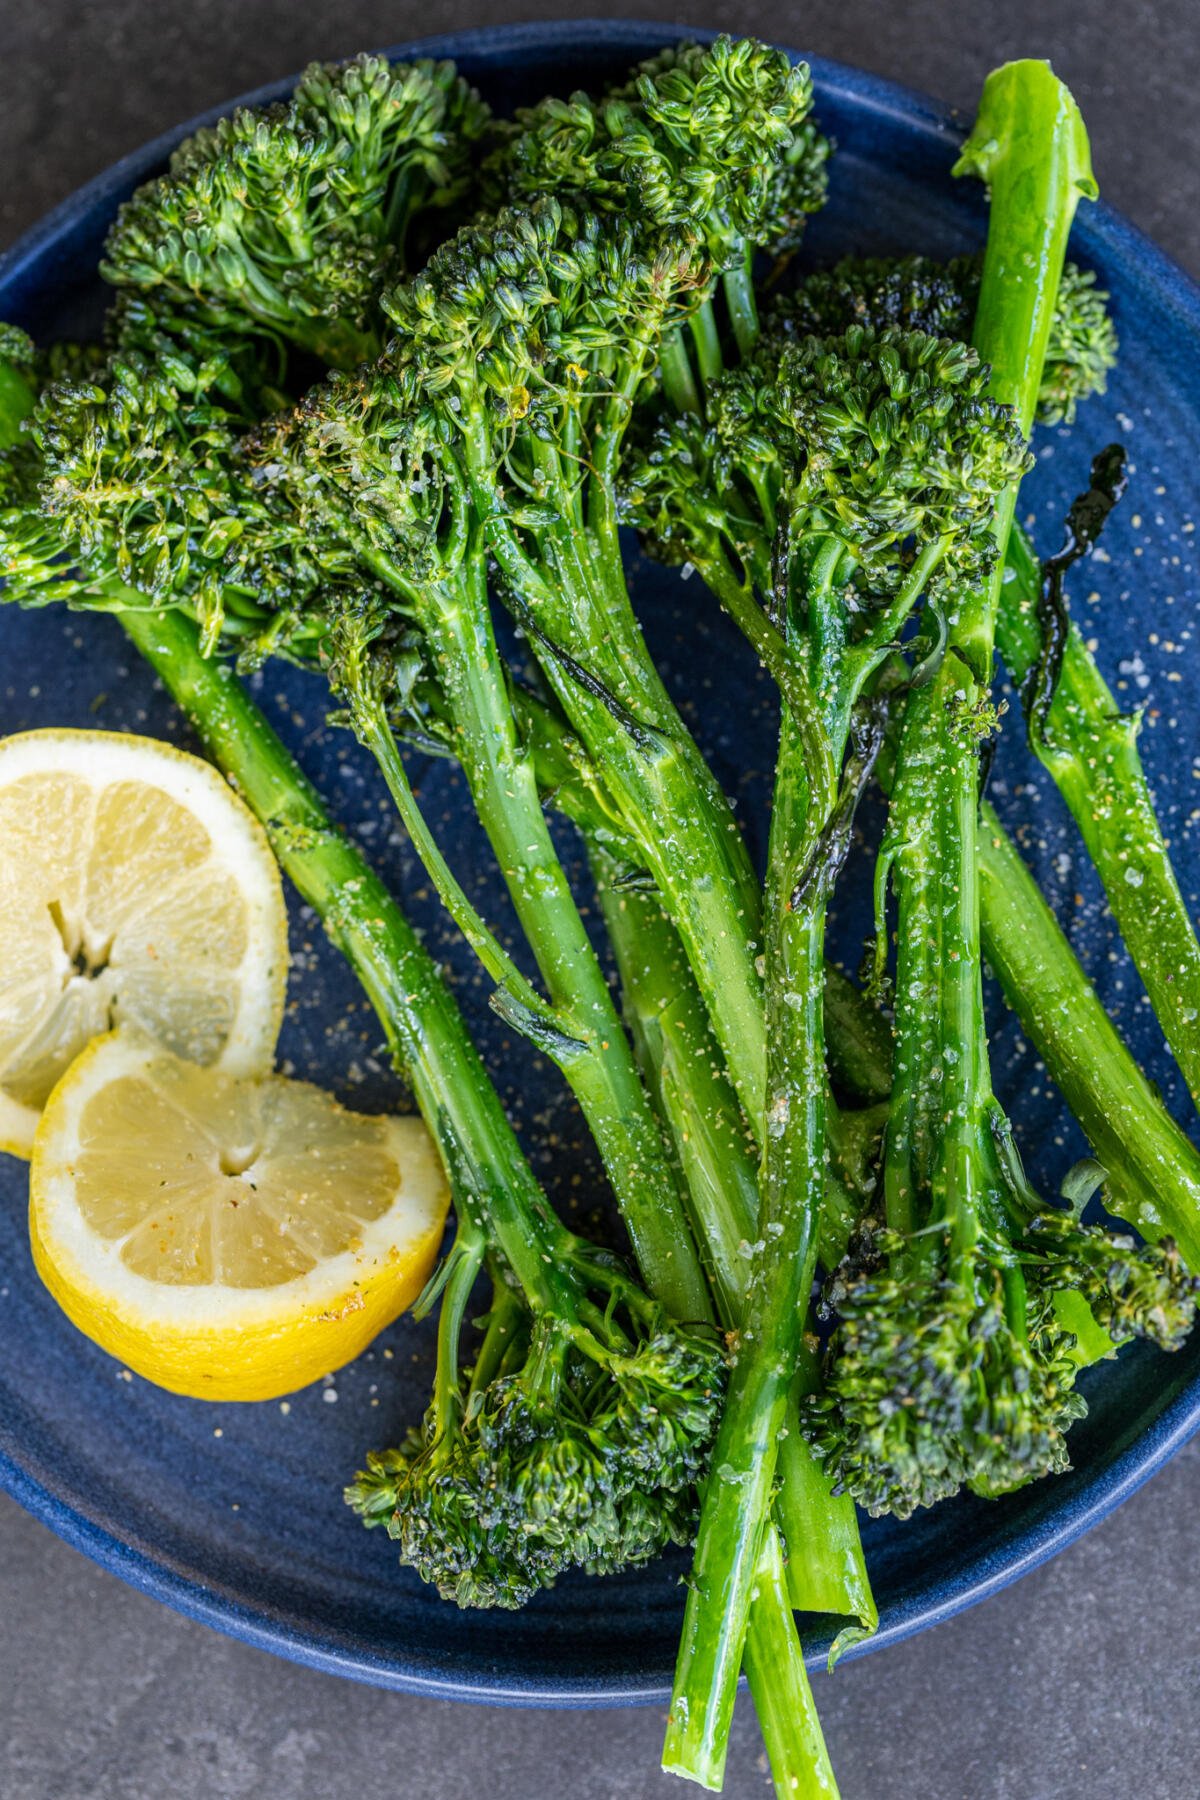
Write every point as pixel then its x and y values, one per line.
pixel 249 569
pixel 1090 748
pixel 1151 1169
pixel 717 139
pixel 1080 733
pixel 288 222
pixel 950 1288
pixel 578 1440
pixel 145 462
pixel 707 152
pixel 817 465
pixel 915 293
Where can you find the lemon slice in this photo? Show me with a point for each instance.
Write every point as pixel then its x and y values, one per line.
pixel 135 887
pixel 227 1237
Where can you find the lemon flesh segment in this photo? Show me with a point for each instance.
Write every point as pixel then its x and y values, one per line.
pixel 135 888
pixel 227 1237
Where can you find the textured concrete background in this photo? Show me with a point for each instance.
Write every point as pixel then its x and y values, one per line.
pixel 1082 1682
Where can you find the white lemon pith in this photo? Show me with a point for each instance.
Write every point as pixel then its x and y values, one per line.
pixel 227 1237
pixel 135 888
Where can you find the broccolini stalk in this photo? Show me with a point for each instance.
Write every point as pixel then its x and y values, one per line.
pixel 812 1561
pixel 1076 726
pixel 1089 746
pixel 859 1038
pixel 779 1686
pixel 708 147
pixel 579 1029
pixel 720 141
pixel 995 1396
pixel 737 1496
pixel 1151 1168
pixel 1030 146
pixel 825 1570
pixel 832 456
pixel 724 495
pixel 288 221
pixel 682 1068
pixel 526 340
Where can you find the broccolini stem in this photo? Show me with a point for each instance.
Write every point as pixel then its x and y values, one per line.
pixel 826 1567
pixel 736 594
pixel 375 734
pixel 858 1037
pixel 738 285
pixel 675 368
pixel 826 1572
pixel 465 1260
pixel 682 1068
pixel 737 1495
pixel 705 336
pixel 1152 1167
pixel 941 1097
pixel 504 1337
pixel 596 1057
pixel 783 1698
pixel 671 805
pixel 425 1031
pixel 1029 144
pixel 1090 748
pixel 695 857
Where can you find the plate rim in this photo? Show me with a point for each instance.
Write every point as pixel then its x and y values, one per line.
pixel 1102 227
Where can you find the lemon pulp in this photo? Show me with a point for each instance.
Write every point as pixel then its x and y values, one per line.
pixel 135 887
pixel 229 1237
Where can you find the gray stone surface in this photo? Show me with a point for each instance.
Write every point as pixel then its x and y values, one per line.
pixel 1080 1683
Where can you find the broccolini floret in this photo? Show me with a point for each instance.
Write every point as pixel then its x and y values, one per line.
pixel 576 1440
pixel 290 220
pixel 915 293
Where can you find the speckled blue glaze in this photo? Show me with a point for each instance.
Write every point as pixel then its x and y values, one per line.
pixel 233 1513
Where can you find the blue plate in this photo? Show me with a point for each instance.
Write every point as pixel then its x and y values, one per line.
pixel 233 1513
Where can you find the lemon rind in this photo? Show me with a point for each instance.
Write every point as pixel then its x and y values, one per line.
pixel 213 1342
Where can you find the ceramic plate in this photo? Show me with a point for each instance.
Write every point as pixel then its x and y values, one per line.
pixel 233 1514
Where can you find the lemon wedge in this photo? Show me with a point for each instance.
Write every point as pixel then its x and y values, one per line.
pixel 135 887
pixel 228 1237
